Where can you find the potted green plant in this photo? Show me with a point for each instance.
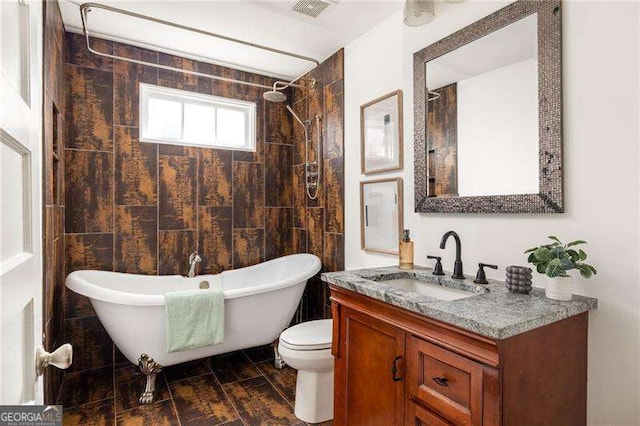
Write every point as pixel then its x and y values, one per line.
pixel 555 260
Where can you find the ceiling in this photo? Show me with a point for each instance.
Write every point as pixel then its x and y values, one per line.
pixel 269 23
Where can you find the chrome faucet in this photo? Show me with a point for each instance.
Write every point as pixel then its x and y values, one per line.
pixel 194 259
pixel 457 266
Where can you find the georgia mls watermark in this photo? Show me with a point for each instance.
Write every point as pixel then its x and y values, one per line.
pixel 30 415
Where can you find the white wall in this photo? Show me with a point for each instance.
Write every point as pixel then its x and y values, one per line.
pixel 498 131
pixel 601 44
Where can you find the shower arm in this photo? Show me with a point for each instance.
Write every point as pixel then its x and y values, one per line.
pixel 278 85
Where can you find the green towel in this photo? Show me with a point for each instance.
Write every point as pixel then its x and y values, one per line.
pixel 195 318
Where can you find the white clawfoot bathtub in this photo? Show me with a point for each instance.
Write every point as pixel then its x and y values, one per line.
pixel 260 302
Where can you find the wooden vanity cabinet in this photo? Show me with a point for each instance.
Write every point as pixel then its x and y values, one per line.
pixel 395 367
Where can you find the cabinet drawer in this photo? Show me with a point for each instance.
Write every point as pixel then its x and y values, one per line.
pixel 445 382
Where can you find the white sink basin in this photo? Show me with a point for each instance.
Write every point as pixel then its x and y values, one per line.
pixel 427 289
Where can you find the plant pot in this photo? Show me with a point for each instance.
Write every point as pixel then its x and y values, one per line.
pixel 559 288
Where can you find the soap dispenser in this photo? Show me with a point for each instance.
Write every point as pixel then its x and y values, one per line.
pixel 406 251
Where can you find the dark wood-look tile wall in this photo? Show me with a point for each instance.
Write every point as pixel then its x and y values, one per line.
pixel 54 123
pixel 142 208
pixel 126 81
pixel 443 142
pixel 215 235
pixel 88 179
pixel 136 169
pixel 280 243
pixel 334 119
pixel 215 177
pixel 90 108
pixel 248 247
pixel 299 197
pixel 334 190
pixel 279 163
pixel 315 227
pixel 177 80
pixel 136 239
pixel 173 248
pixel 178 188
pixel 301 108
pixel 319 224
pixel 248 195
pixel 278 124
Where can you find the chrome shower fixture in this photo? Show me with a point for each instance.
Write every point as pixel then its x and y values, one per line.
pixel 274 95
pixel 311 168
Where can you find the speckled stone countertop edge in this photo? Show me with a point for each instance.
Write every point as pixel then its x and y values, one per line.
pixel 495 313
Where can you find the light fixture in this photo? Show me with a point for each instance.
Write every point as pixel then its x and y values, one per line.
pixel 454 1
pixel 419 12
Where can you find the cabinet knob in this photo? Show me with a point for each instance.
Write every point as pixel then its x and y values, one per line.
pixel 441 381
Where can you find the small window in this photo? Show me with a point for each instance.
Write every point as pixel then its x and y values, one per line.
pixel 186 118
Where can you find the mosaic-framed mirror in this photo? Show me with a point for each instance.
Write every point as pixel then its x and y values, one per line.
pixel 488 115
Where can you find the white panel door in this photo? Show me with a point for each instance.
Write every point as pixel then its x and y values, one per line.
pixel 20 200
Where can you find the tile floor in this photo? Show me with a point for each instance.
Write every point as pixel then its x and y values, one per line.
pixel 240 388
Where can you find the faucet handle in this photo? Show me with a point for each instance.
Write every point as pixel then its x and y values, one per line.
pixel 481 278
pixel 195 257
pixel 437 269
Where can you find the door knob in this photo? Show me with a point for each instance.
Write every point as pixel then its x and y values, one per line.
pixel 60 358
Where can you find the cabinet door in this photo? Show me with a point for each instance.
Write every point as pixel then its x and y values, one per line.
pixel 369 371
pixel 445 382
pixel 418 416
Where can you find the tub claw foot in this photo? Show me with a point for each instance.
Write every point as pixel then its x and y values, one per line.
pixel 146 397
pixel 149 368
pixel 278 362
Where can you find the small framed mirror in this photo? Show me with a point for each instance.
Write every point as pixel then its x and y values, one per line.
pixel 381 218
pixel 488 115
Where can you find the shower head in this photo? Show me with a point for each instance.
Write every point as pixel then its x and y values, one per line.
pixel 274 96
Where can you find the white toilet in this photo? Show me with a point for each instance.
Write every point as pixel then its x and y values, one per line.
pixel 307 348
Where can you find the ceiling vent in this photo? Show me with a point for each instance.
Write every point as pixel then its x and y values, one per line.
pixel 311 8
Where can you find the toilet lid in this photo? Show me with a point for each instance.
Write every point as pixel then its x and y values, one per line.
pixel 308 336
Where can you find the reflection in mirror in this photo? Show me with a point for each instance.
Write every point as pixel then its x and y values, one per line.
pixel 482 123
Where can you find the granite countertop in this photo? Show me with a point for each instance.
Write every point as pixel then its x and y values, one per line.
pixel 494 312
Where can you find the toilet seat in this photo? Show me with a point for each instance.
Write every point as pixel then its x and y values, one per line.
pixel 308 336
